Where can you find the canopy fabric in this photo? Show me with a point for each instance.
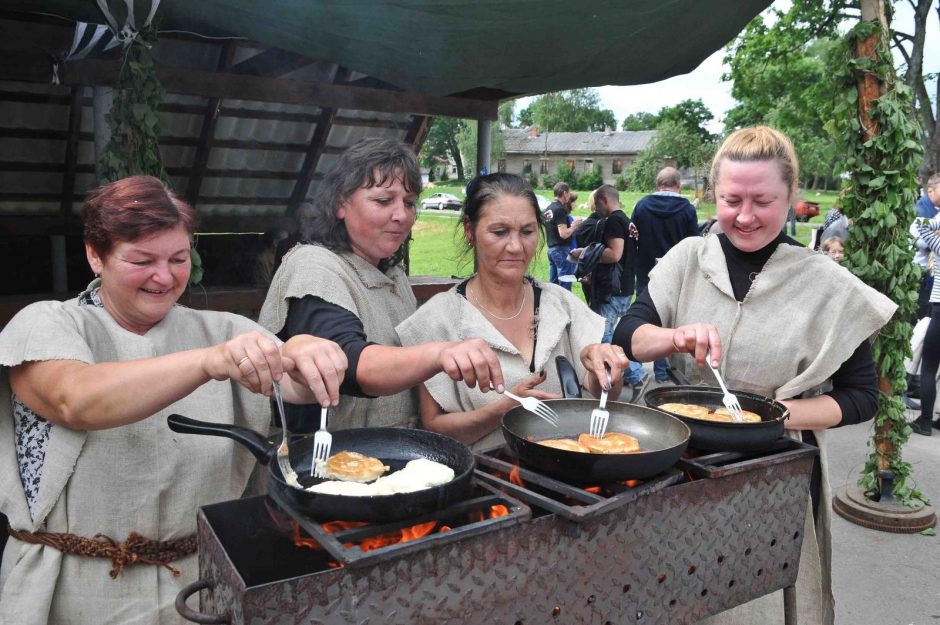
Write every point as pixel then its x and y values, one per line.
pixel 447 47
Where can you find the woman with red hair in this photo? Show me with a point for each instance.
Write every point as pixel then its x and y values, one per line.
pixel 88 460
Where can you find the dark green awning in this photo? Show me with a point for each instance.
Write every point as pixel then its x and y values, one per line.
pixel 448 47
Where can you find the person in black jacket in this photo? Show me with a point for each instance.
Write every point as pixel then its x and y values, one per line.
pixel 662 219
pixel 612 283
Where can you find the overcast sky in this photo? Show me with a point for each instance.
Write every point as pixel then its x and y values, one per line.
pixel 705 81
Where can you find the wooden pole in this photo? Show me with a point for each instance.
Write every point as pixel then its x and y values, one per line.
pixel 870 87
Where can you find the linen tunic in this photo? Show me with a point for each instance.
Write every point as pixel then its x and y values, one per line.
pixel 789 335
pixel 139 477
pixel 380 300
pixel 565 326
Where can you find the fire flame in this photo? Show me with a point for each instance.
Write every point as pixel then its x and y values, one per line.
pixel 514 477
pixel 403 535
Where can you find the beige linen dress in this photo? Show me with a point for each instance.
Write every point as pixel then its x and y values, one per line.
pixel 380 300
pixel 565 326
pixel 803 316
pixel 140 477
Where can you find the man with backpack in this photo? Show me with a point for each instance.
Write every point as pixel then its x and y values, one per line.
pixel 612 278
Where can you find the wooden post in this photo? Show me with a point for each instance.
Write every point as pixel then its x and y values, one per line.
pixel 870 87
pixel 483 146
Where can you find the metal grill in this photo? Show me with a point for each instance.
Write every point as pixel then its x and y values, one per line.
pixel 671 557
pixel 572 502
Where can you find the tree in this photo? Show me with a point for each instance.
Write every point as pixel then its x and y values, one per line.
pixel 690 114
pixel 772 65
pixel 442 142
pixel 577 110
pixel 507 111
pixel 640 121
pixel 674 142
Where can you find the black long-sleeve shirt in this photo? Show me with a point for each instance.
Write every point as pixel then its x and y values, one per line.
pixel 854 384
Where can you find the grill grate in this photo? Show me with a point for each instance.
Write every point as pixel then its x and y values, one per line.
pixel 335 543
pixel 572 502
pixel 721 464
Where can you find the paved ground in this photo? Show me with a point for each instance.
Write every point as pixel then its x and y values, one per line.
pixel 880 578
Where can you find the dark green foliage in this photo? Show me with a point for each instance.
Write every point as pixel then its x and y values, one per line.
pixel 577 110
pixel 879 199
pixel 133 148
pixel 589 180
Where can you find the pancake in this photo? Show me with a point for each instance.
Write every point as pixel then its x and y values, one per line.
pixel 347 489
pixel 566 444
pixel 749 417
pixel 350 466
pixel 611 443
pixel 417 475
pixel 714 416
pixel 686 410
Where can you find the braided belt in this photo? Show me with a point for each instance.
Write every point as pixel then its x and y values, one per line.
pixel 136 549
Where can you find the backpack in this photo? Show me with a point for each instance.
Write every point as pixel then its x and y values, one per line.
pixel 592 234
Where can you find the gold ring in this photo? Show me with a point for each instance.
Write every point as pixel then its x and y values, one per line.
pixel 242 360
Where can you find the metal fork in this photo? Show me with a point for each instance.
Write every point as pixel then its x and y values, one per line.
pixel 322 442
pixel 283 454
pixel 536 407
pixel 728 399
pixel 600 416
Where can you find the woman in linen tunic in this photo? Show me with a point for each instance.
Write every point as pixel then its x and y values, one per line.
pixel 501 225
pixel 742 294
pixel 347 284
pixel 92 467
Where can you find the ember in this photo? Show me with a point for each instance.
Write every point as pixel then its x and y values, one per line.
pixel 395 537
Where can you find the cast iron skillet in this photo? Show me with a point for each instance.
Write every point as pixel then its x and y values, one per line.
pixel 721 436
pixel 662 437
pixel 394 446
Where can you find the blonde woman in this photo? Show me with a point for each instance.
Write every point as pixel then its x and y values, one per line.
pixel 741 294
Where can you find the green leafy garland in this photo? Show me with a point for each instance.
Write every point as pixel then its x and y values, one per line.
pixel 133 148
pixel 880 199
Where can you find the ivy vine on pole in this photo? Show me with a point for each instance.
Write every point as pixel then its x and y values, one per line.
pixel 879 198
pixel 133 148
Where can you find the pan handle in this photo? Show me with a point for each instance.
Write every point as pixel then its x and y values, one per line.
pixel 192 615
pixel 570 386
pixel 257 444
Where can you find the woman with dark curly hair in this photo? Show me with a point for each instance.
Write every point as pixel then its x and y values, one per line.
pixel 347 284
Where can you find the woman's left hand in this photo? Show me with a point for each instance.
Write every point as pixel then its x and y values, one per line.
pixel 317 364
pixel 594 357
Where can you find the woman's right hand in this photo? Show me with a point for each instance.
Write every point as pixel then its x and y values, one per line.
pixel 474 362
pixel 251 359
pixel 698 339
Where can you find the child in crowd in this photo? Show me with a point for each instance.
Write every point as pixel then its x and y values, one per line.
pixel 834 247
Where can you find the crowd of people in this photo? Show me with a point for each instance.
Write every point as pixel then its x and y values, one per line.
pixel 83 435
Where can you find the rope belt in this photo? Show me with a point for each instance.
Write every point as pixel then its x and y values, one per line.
pixel 136 549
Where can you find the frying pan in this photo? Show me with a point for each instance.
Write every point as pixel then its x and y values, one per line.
pixel 662 437
pixel 722 436
pixel 394 446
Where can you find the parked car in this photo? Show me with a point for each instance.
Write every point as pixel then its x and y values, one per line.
pixel 805 210
pixel 441 201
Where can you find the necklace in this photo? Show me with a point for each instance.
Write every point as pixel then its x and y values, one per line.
pixel 494 315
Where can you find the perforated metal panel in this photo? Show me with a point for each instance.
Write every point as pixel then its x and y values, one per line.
pixel 670 557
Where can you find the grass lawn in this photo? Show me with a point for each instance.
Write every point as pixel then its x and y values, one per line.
pixel 437 246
